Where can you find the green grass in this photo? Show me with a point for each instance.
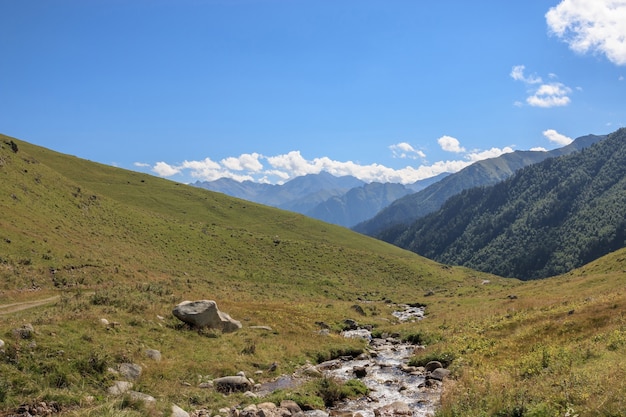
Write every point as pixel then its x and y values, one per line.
pixel 128 247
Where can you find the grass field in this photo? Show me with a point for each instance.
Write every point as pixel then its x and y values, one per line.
pixel 128 247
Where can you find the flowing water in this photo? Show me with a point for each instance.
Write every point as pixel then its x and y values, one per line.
pixel 389 381
pixel 385 372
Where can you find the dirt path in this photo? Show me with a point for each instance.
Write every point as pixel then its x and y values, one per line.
pixel 12 308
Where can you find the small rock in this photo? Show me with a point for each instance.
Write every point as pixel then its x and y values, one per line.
pixel 350 324
pixel 229 384
pixel 439 374
pixel 397 408
pixel 331 364
pixel 130 371
pixel 316 413
pixel 359 371
pixel 178 412
pixel 140 396
pixel 154 354
pixel 432 365
pixel 27 331
pixel 311 371
pixel 268 328
pixel 291 405
pixel 120 387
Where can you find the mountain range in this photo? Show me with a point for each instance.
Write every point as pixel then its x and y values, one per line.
pixel 405 210
pixel 371 208
pixel 344 200
pixel 544 220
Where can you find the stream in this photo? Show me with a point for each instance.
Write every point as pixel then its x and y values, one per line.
pixel 390 380
pixel 395 387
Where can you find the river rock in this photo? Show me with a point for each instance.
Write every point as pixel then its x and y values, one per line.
pixel 291 405
pixel 315 413
pixel 432 365
pixel 439 374
pixel 397 408
pixel 359 371
pixel 204 313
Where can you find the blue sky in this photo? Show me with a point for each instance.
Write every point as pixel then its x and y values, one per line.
pixel 386 90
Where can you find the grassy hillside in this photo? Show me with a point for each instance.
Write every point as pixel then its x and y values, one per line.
pixel 545 220
pixel 128 247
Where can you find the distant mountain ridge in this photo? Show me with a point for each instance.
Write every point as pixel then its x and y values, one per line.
pixel 344 201
pixel 546 219
pixel 402 212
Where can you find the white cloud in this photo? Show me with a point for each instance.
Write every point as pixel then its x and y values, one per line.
pixel 281 168
pixel 550 95
pixel 245 162
pixel 141 165
pixel 592 25
pixel 553 94
pixel 163 169
pixel 621 78
pixel 489 153
pixel 539 149
pixel 517 73
pixel 556 137
pixel 404 150
pixel 450 144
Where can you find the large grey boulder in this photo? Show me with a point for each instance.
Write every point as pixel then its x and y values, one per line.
pixel 204 313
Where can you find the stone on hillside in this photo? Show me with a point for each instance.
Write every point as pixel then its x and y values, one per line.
pixel 140 396
pixel 235 383
pixel 130 371
pixel 1 345
pixel 204 313
pixel 120 387
pixel 178 412
pixel 153 354
pixel 27 331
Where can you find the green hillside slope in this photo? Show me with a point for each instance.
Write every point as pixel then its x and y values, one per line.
pixel 547 219
pixel 81 242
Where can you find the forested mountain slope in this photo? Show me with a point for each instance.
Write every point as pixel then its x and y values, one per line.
pixel 545 220
pixel 406 210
